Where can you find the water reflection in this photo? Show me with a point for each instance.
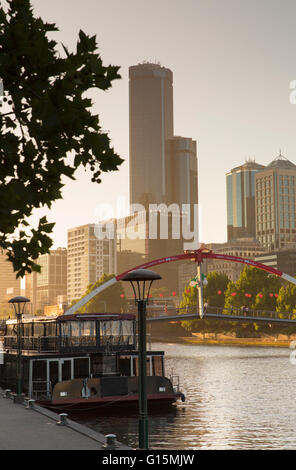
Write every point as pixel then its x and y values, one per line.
pixel 236 398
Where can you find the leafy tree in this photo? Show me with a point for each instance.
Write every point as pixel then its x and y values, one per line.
pixel 47 130
pixel 253 281
pixel 216 283
pixel 286 301
pixel 111 300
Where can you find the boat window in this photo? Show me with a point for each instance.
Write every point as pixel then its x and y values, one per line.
pixel 104 365
pixel 126 330
pixel 157 365
pixel 66 369
pixel 27 329
pixel 124 365
pixel 39 371
pixel 11 330
pixel 38 329
pixel 75 330
pixel 81 368
pixel 106 331
pixel 50 329
pixel 136 365
pixel 87 328
pixel 65 328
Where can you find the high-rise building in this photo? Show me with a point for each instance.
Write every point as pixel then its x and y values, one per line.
pixel 276 204
pixel 9 285
pixel 182 171
pixel 163 171
pixel 44 288
pixel 89 257
pixel 240 189
pixel 151 125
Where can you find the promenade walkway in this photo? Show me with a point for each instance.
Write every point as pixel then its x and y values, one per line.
pixel 37 429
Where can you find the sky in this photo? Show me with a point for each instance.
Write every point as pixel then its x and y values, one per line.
pixel 232 63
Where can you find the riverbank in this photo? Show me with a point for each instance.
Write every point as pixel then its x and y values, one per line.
pixel 282 341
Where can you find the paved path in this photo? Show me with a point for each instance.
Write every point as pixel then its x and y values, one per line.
pixel 36 429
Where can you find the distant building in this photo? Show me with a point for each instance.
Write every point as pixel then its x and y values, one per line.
pixel 151 125
pixel 9 285
pixel 283 260
pixel 243 247
pixel 276 204
pixel 182 184
pixel 88 259
pixel 163 169
pixel 240 189
pixel 44 288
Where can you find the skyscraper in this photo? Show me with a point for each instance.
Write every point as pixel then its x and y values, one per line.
pixel 182 184
pixel 240 190
pixel 276 204
pixel 163 168
pixel 151 125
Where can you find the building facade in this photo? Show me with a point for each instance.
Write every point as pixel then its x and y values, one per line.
pixel 10 286
pixel 89 257
pixel 243 247
pixel 283 260
pixel 276 204
pixel 44 288
pixel 150 126
pixel 240 190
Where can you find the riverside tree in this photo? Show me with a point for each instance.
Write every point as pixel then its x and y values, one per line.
pixel 252 284
pixel 47 128
pixel 111 300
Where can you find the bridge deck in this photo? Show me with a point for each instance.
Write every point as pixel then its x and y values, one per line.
pixel 220 314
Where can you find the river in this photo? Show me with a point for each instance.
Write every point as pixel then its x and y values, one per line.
pixel 236 398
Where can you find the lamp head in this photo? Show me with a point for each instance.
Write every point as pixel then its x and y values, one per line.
pixel 138 276
pixel 19 303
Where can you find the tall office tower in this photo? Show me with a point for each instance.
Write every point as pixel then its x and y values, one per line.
pixel 9 285
pixel 276 204
pixel 151 125
pixel 182 184
pixel 89 257
pixel 44 288
pixel 240 189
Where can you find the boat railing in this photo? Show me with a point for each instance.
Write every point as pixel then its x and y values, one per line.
pixel 41 389
pixel 33 343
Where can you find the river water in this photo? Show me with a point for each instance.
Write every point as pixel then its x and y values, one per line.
pixel 236 398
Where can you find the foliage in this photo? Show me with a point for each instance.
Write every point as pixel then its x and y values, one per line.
pixel 216 282
pixel 286 301
pixel 47 129
pixel 253 281
pixel 109 300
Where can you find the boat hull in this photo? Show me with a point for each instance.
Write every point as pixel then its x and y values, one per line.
pixel 110 391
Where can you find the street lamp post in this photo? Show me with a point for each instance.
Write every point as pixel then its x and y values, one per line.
pixel 19 304
pixel 136 277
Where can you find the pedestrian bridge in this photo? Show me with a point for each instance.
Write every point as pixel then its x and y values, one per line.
pixel 222 313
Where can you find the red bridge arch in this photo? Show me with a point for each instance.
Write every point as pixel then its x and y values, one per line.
pixel 197 256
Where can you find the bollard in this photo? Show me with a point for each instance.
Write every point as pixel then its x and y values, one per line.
pixel 7 393
pixel 110 442
pixel 63 419
pixel 30 404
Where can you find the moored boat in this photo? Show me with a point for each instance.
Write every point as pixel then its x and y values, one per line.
pixel 82 361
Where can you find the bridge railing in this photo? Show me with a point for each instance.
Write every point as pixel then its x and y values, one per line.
pixel 235 312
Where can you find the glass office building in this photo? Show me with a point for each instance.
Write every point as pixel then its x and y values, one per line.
pixel 240 192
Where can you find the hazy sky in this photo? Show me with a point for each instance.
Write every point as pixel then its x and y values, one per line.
pixel 232 60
